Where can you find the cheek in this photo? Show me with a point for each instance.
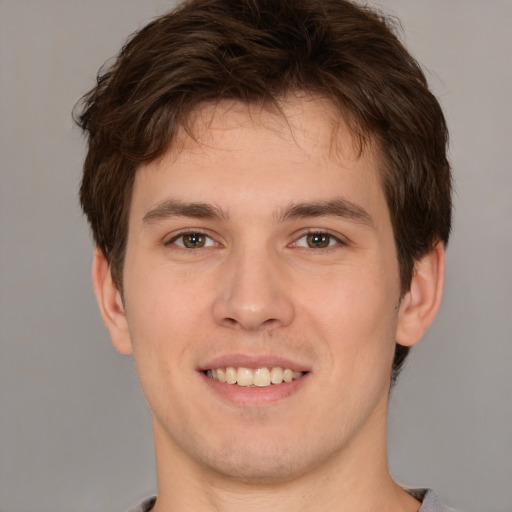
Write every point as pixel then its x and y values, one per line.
pixel 170 322
pixel 357 318
pixel 159 314
pixel 162 299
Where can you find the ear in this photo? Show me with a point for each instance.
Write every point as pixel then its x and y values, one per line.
pixel 110 303
pixel 420 304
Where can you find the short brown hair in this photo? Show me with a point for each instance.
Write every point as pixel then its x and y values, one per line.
pixel 257 51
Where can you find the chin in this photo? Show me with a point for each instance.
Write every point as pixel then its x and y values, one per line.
pixel 263 462
pixel 264 468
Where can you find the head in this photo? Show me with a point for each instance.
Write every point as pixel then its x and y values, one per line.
pixel 258 52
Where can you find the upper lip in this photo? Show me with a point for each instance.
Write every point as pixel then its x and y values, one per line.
pixel 253 361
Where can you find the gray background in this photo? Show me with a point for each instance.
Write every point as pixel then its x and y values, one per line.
pixel 74 429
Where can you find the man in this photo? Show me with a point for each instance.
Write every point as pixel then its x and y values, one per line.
pixel 269 195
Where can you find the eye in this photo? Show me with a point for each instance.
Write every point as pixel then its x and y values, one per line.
pixel 317 240
pixel 192 240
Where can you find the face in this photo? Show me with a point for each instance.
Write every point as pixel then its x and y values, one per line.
pixel 262 247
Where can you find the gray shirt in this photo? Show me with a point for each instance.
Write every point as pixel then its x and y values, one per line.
pixel 429 502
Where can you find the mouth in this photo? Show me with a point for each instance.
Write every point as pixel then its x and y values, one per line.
pixel 258 378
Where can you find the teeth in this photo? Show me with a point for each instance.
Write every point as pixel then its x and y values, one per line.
pixel 244 377
pixel 261 377
pixel 230 375
pixel 276 375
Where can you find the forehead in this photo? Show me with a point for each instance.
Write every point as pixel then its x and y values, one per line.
pixel 299 149
pixel 310 126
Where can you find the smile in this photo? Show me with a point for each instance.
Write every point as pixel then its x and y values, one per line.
pixel 259 377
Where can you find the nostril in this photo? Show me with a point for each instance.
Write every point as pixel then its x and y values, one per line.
pixel 231 322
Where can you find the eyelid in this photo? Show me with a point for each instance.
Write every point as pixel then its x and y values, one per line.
pixel 175 235
pixel 341 241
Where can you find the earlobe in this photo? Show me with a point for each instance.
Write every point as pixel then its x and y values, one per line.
pixel 110 303
pixel 421 303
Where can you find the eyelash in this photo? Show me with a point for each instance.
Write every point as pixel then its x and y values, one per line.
pixel 338 242
pixel 181 235
pixel 211 242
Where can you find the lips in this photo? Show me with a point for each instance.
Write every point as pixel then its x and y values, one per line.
pixel 253 379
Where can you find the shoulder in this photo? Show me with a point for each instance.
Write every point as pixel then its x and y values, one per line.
pixel 430 502
pixel 145 506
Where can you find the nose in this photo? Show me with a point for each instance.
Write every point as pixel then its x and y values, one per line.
pixel 253 293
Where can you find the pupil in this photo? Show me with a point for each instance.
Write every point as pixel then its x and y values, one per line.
pixel 318 240
pixel 193 240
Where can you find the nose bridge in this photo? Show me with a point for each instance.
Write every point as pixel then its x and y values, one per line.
pixel 253 294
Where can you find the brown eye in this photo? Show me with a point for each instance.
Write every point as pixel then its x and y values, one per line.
pixel 318 240
pixel 192 240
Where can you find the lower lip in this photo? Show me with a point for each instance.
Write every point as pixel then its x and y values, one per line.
pixel 254 396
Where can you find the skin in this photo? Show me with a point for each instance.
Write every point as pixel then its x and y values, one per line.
pixel 254 287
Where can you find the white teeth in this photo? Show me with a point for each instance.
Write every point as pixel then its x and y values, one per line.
pixel 230 375
pixel 276 375
pixel 244 377
pixel 261 377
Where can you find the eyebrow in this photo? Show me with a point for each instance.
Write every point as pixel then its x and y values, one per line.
pixel 338 207
pixel 177 208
